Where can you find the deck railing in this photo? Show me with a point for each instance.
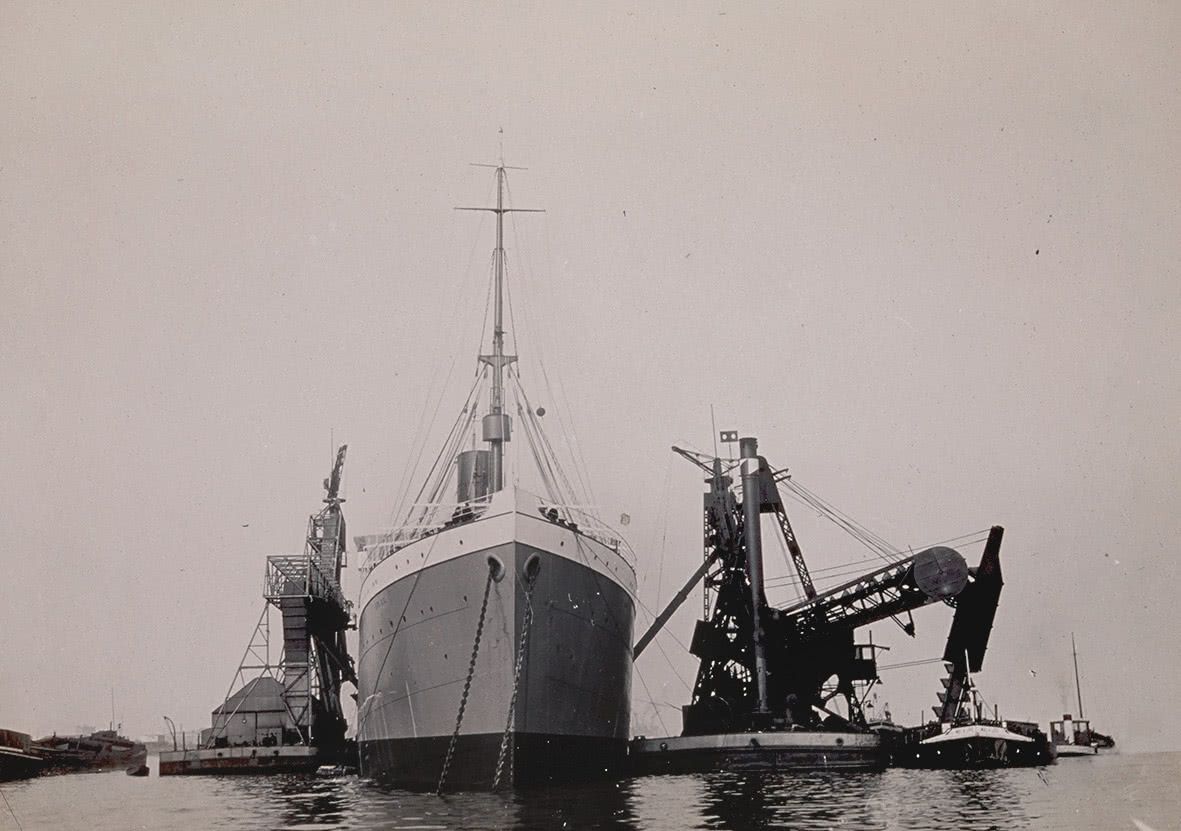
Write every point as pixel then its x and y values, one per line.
pixel 298 575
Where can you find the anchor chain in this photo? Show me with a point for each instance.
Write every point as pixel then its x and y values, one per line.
pixel 467 684
pixel 505 755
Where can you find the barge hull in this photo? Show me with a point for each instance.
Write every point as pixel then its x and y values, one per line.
pixel 250 760
pixel 538 759
pixel 802 750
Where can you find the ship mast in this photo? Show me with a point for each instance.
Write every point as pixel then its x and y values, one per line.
pixel 497 424
pixel 1078 688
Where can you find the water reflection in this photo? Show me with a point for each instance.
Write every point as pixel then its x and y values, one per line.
pixel 801 801
pixel 607 805
pixel 1098 794
pixel 792 800
pixel 973 799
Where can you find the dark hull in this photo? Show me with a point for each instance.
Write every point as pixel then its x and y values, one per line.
pixel 757 752
pixel 572 712
pixel 15 764
pixel 536 760
pixel 976 754
pixel 207 763
pixel 96 752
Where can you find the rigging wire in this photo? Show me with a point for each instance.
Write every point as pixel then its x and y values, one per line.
pixel 883 552
pixel 870 539
pixel 553 462
pixel 906 664
pixel 644 684
pixel 672 666
pixel 856 567
pixel 487 304
pixel 408 475
pixel 18 822
pixel 664 524
pixel 569 435
pixel 459 428
pixel 565 424
pixel 423 428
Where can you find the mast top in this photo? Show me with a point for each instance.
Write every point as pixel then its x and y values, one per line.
pixel 497 425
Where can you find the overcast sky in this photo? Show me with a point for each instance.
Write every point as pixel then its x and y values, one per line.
pixel 927 254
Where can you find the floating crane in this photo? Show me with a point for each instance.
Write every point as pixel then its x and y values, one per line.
pixel 765 669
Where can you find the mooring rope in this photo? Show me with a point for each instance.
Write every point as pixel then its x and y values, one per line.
pixel 9 804
pixel 505 754
pixel 467 684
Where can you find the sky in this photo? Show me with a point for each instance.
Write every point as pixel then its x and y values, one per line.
pixel 928 254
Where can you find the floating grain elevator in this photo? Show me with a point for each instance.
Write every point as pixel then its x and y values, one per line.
pixel 283 711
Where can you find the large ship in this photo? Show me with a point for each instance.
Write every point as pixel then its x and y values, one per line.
pixel 495 623
pixel 17 759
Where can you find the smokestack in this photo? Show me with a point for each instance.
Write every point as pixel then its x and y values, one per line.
pixel 753 532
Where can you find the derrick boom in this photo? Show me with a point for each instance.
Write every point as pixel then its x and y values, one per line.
pixel 934 574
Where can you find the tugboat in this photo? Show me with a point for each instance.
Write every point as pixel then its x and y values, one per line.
pixel 1074 736
pixel 769 678
pixel 17 759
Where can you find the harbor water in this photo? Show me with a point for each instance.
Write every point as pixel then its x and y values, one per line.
pixel 1132 791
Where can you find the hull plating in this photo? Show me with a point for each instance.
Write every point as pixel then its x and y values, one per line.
pixel 416 633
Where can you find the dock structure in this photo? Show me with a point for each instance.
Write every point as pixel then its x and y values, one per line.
pixel 285 714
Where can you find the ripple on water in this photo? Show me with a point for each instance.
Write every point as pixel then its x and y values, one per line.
pixel 1112 792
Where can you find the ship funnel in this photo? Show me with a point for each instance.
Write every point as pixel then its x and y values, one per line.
pixel 751 517
pixel 473 475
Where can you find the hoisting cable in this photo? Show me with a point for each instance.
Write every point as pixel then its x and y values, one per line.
pixel 467 684
pixel 809 500
pixel 505 755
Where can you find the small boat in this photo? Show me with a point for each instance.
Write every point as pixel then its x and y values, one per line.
pixel 1074 736
pixel 969 741
pixel 138 770
pixel 101 750
pixel 976 744
pixel 17 759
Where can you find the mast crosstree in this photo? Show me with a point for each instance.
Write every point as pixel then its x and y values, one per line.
pixel 497 424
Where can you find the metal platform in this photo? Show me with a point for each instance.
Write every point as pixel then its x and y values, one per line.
pixel 288 759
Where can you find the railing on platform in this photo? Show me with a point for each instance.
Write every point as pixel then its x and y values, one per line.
pixel 297 575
